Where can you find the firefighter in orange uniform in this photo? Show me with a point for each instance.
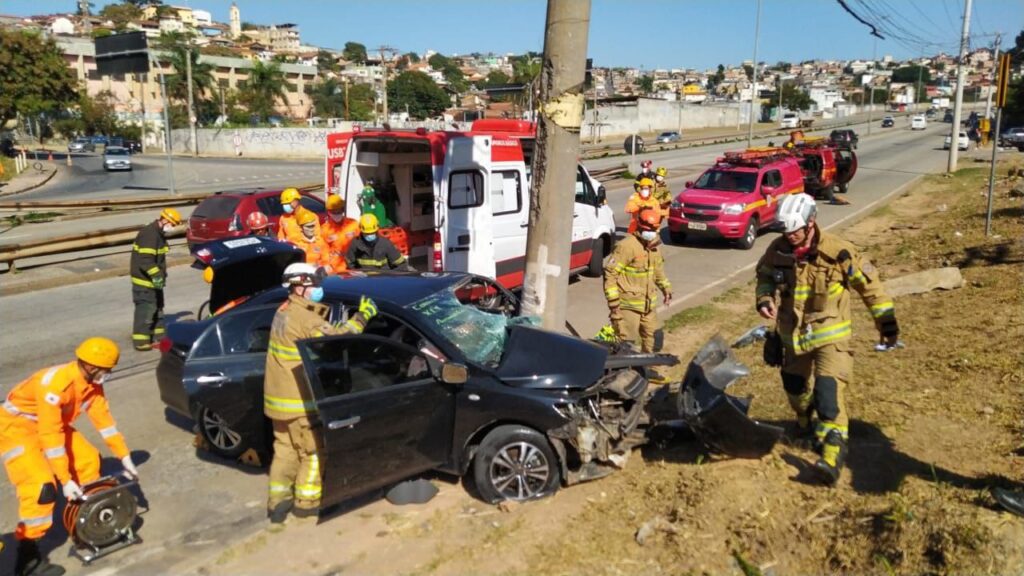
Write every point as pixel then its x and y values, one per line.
pixel 38 442
pixel 338 232
pixel 641 199
pixel 311 242
pixel 288 227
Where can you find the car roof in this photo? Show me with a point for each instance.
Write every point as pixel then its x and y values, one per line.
pixel 113 148
pixel 398 288
pixel 255 193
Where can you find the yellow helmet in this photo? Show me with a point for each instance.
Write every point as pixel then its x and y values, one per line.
pixel 306 217
pixel 289 195
pixel 171 215
pixel 368 224
pixel 661 171
pixel 99 352
pixel 335 203
pixel 646 182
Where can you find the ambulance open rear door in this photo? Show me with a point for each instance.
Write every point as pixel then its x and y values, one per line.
pixel 467 237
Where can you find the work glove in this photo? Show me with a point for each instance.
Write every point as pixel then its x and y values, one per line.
pixel 72 491
pixel 889 332
pixel 130 471
pixel 159 282
pixel 367 307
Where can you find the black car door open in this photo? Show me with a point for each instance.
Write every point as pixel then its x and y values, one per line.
pixel 383 415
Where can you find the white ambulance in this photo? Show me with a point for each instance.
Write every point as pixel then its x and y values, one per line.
pixel 460 200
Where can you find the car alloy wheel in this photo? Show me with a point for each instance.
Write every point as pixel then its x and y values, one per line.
pixel 222 439
pixel 515 463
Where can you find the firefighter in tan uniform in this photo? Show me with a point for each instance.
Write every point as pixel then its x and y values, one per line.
pixel 804 281
pixel 295 469
pixel 662 193
pixel 634 273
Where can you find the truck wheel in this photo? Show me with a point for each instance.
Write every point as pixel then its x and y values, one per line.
pixel 596 265
pixel 746 242
pixel 677 237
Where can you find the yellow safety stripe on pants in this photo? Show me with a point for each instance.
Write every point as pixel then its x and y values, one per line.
pixel 823 428
pixel 12 453
pixel 158 331
pixel 810 339
pixel 284 352
pixel 371 261
pixel 141 337
pixel 150 251
pixel 37 520
pixel 857 277
pixel 881 309
pixel 311 489
pixel 280 488
pixel 611 293
pixel 143 283
pixel 288 405
pixel 153 271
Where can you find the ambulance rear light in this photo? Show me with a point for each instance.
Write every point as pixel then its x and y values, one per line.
pixel 436 264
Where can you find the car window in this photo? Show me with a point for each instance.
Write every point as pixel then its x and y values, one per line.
pixel 216 207
pixel 727 180
pixel 270 205
pixel 247 332
pixel 584 190
pixel 311 204
pixel 465 189
pixel 116 152
pixel 208 344
pixel 506 192
pixel 351 365
pixel 772 179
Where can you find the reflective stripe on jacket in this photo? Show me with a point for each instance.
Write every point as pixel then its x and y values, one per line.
pixel 149 256
pixel 284 395
pixel 53 398
pixel 339 236
pixel 813 295
pixel 380 255
pixel 634 274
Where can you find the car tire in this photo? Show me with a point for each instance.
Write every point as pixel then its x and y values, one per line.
pixel 746 242
pixel 219 437
pixel 517 463
pixel 678 238
pixel 596 266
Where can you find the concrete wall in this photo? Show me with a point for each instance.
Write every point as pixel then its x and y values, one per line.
pixel 650 115
pixel 255 142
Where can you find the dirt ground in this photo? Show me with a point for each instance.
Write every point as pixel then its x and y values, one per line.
pixel 934 426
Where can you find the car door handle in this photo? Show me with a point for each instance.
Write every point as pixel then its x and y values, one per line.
pixel 215 379
pixel 346 423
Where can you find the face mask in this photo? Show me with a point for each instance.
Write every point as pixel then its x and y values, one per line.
pixel 660 178
pixel 288 208
pixel 308 231
pixel 98 377
pixel 648 235
pixel 316 294
pixel 370 237
pixel 167 228
pixel 336 217
pixel 645 192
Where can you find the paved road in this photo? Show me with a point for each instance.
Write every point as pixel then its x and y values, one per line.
pixel 197 503
pixel 87 180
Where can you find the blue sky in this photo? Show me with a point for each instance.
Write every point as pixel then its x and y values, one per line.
pixel 648 33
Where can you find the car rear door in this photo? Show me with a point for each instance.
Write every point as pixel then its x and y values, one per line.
pixel 383 416
pixel 469 240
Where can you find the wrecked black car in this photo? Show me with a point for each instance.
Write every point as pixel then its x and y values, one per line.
pixel 445 378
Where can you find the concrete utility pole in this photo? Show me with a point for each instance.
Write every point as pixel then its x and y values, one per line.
pixel 191 106
pixel 549 241
pixel 961 71
pixel 871 84
pixel 384 77
pixel 988 101
pixel 920 73
pixel 753 79
pixel 168 141
pixel 142 96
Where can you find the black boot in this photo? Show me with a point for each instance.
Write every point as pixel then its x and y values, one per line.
pixel 31 562
pixel 1011 501
pixel 279 513
pixel 833 456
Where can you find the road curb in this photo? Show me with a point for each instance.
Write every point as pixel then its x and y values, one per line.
pixel 704 294
pixel 6 193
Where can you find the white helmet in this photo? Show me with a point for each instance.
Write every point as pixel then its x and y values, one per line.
pixel 302 274
pixel 795 212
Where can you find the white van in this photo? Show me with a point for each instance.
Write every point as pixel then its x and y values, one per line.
pixel 461 199
pixel 918 122
pixel 790 120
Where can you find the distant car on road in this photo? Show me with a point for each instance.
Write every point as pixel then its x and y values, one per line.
pixel 790 120
pixel 1013 137
pixel 918 122
pixel 667 137
pixel 117 158
pixel 81 145
pixel 930 113
pixel 888 122
pixel 223 214
pixel 845 138
pixel 116 141
pixel 134 146
pixel 100 139
pixel 963 142
pixel 948 117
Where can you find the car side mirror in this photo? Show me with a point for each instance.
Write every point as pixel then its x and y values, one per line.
pixel 689 184
pixel 602 195
pixel 452 373
pixel 766 190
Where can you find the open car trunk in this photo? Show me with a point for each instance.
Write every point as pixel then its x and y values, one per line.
pixel 244 267
pixel 846 166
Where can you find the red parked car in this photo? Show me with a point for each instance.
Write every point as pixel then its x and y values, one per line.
pixel 223 214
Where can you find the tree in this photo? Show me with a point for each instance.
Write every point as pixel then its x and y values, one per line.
pixel 121 14
pixel 1014 111
pixel 451 72
pixel 96 114
pixel 749 71
pixel 362 99
pixel 176 43
pixel 794 98
pixel 34 78
pixel 645 84
pixel 263 89
pixel 495 78
pixel 325 62
pixel 416 92
pixel 525 69
pixel 412 57
pixel 909 75
pixel 782 66
pixel 328 97
pixel 354 52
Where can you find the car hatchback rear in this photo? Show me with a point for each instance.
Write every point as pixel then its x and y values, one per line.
pixel 223 214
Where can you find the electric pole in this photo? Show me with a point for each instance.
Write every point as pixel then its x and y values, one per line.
pixel 191 106
pixel 920 73
pixel 142 97
pixel 168 141
pixel 549 240
pixel 382 50
pixel 871 83
pixel 961 71
pixel 988 101
pixel 753 76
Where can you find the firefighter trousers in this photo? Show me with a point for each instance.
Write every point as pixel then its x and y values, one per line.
pixel 295 469
pixel 632 325
pixel 149 316
pixel 29 471
pixel 815 383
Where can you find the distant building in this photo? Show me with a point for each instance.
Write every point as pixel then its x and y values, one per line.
pixel 236 22
pixel 279 37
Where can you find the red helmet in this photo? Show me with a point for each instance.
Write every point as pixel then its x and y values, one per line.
pixel 257 220
pixel 646 164
pixel 649 219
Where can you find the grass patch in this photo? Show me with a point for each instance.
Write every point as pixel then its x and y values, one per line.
pixel 627 175
pixel 31 218
pixel 691 316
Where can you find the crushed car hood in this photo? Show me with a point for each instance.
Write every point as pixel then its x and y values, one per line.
pixel 536 358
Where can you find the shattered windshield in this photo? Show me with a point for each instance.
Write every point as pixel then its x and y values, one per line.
pixel 727 181
pixel 480 335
